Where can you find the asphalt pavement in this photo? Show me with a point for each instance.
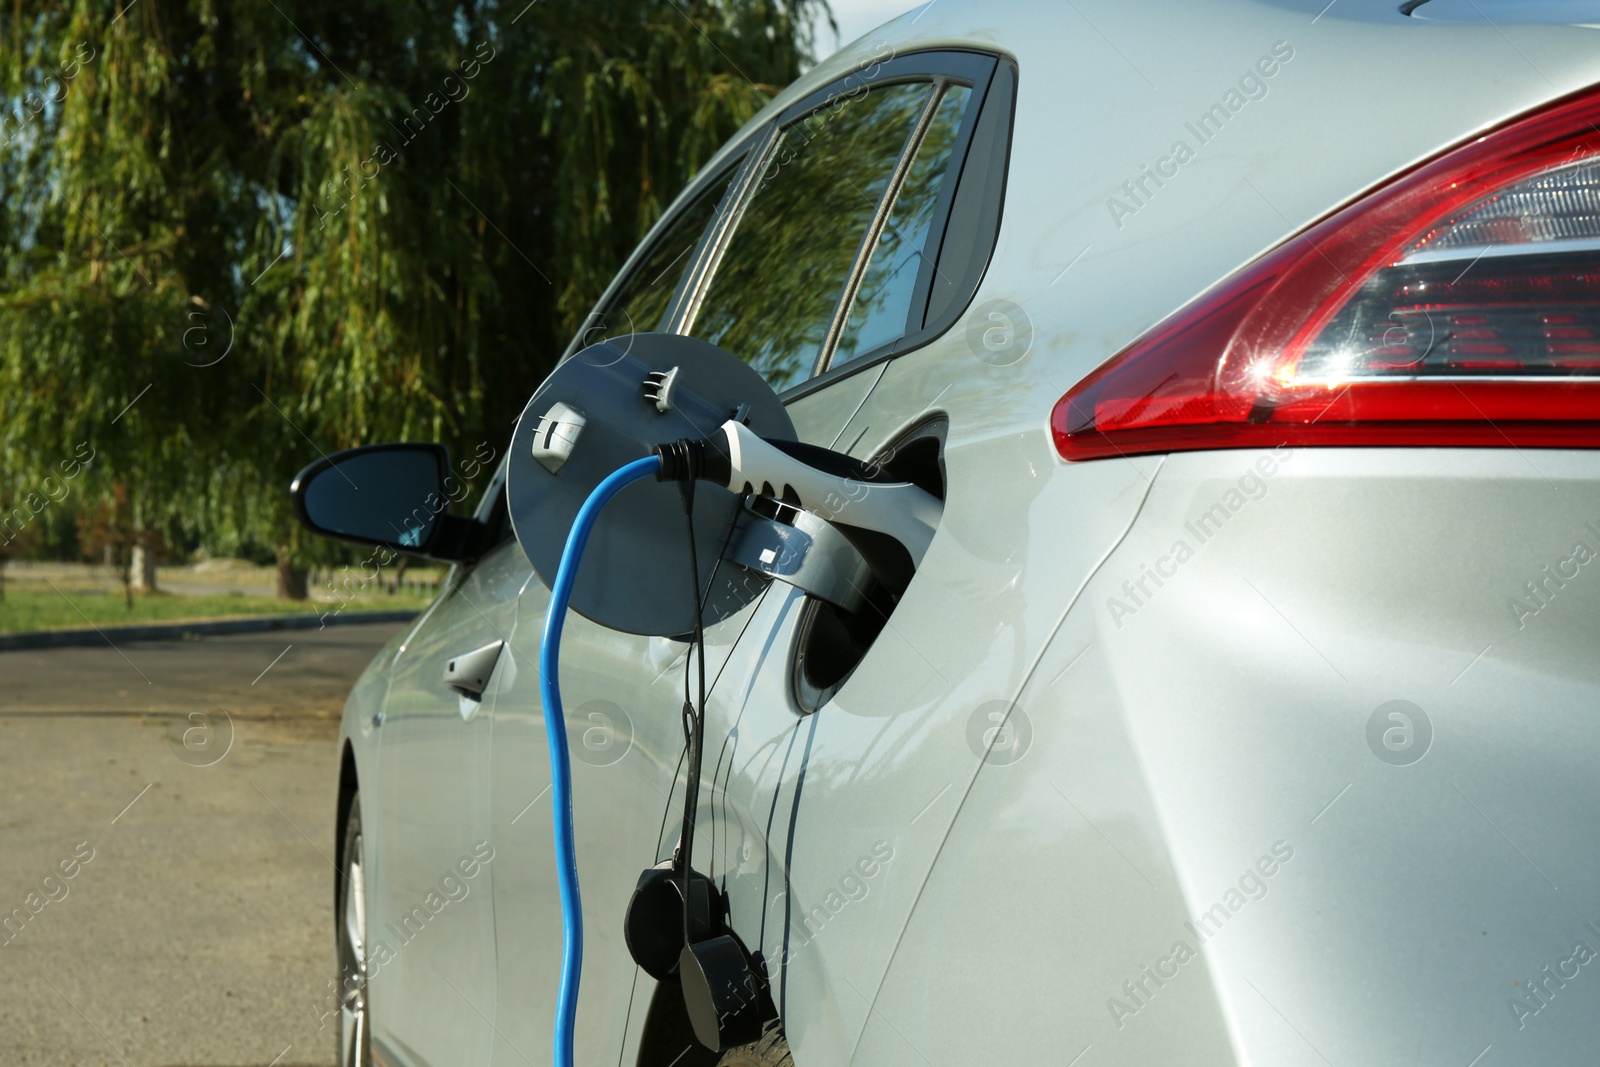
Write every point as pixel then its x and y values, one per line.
pixel 166 844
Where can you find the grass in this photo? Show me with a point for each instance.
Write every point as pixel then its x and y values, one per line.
pixel 30 606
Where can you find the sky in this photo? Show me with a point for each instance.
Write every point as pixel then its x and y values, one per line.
pixel 856 17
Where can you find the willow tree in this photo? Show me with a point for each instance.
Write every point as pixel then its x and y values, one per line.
pixel 235 235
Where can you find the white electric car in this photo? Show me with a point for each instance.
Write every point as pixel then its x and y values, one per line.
pixel 1244 707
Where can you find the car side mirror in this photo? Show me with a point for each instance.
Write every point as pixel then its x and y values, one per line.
pixel 391 495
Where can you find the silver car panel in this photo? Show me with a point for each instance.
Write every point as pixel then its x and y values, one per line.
pixel 870 781
pixel 1223 770
pixel 431 924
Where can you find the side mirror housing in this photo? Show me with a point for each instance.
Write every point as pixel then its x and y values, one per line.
pixel 391 495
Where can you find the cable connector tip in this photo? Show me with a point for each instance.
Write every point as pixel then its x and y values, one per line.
pixel 691 460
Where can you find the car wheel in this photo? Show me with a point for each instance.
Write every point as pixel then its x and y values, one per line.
pixel 355 1036
pixel 771 1051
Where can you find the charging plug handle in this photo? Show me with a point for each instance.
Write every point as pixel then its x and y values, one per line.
pixel 827 484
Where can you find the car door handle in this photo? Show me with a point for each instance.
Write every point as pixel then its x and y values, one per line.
pixel 468 673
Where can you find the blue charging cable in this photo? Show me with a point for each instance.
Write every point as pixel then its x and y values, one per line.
pixel 560 761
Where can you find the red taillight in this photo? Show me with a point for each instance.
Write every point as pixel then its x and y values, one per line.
pixel 1457 305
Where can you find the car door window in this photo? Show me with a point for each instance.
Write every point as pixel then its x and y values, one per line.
pixel 642 301
pixel 883 300
pixel 775 291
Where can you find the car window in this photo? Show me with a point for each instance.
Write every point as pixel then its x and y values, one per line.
pixel 773 296
pixel 641 303
pixel 883 300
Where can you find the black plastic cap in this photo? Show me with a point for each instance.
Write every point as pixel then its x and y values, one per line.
pixel 653 926
pixel 686 459
pixel 722 994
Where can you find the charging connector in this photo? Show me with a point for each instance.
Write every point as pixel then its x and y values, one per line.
pixel 827 484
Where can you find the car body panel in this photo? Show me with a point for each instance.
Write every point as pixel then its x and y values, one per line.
pixel 622 695
pixel 870 779
pixel 1227 719
pixel 1082 307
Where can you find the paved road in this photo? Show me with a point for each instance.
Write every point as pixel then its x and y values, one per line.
pixel 195 929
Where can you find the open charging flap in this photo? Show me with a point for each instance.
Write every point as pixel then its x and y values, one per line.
pixel 604 407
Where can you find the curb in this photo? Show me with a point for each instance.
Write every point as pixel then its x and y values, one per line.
pixel 177 631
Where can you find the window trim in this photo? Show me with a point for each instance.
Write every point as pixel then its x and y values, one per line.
pixel 983 214
pixel 696 281
pixel 939 70
pixel 732 164
pixel 969 67
pixel 880 218
pixel 979 215
pixel 894 72
pixel 992 79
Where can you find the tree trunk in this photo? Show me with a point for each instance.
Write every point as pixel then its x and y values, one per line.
pixel 291 578
pixel 400 566
pixel 144 566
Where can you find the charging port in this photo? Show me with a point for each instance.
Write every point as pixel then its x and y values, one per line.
pixel 830 641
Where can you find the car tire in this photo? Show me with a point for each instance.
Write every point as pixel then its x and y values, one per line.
pixel 355 1030
pixel 772 1050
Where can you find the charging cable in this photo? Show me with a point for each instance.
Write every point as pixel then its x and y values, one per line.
pixel 560 761
pixel 694 722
